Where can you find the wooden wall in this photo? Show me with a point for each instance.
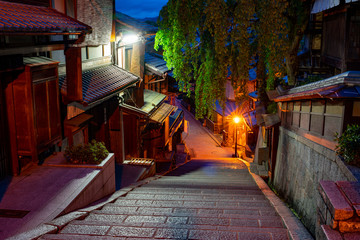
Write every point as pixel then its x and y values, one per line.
pixel 319 117
pixel 5 161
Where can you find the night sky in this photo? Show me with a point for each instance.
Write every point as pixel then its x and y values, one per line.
pixel 140 8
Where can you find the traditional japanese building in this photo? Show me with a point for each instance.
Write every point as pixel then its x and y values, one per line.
pixel 312 114
pixel 153 125
pixel 29 103
pixel 39 113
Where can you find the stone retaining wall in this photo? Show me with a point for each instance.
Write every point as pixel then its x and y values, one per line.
pixel 339 210
pixel 300 165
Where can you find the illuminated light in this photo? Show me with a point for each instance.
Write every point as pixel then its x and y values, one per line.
pixel 236 119
pixel 128 39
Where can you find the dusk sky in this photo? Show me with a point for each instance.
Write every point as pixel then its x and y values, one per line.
pixel 140 8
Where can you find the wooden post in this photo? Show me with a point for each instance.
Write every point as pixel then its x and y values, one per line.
pixel 12 127
pixel 74 73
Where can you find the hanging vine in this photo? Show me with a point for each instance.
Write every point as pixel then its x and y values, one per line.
pixel 207 42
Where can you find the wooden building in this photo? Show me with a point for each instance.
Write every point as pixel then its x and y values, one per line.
pixel 153 126
pixel 57 44
pixel 158 77
pixel 29 103
pixel 331 43
pixel 321 109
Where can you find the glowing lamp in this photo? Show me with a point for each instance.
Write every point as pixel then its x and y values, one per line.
pixel 236 119
pixel 129 39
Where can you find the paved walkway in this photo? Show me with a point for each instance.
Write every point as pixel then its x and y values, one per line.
pixel 210 197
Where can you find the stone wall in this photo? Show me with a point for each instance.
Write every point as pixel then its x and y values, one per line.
pixel 339 210
pixel 300 165
pixel 98 14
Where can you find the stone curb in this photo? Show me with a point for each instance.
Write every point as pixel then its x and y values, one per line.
pixel 295 228
pixel 35 233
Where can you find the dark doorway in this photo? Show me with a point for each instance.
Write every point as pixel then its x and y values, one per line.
pixel 5 161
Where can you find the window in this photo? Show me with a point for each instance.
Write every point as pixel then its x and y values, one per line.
pixel 333 118
pixel 356 109
pixel 124 57
pixel 67 7
pixel 95 52
pixel 128 55
pixel 319 117
pixel 305 115
pixel 296 114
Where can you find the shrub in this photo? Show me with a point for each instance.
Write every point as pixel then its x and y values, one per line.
pixel 349 144
pixel 91 153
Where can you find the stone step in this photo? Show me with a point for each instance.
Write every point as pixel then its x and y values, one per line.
pixel 77 237
pixel 155 209
pixel 197 204
pixel 178 222
pixel 223 198
pixel 171 233
pixel 200 195
pixel 189 191
pixel 181 218
pixel 179 212
pixel 193 203
pixel 153 231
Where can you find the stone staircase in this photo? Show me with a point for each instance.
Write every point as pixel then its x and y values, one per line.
pixel 205 200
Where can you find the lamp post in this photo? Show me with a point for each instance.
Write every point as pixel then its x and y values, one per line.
pixel 236 120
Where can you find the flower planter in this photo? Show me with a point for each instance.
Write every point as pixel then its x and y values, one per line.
pixel 98 182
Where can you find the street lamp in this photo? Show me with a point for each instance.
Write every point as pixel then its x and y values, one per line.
pixel 130 39
pixel 236 120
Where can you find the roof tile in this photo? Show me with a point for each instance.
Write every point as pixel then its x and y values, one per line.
pixel 102 81
pixel 16 17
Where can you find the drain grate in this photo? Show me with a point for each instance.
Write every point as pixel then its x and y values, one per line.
pixel 10 213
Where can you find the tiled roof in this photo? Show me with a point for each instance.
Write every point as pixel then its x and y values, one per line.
pixel 102 81
pixel 152 100
pixel 155 63
pixel 23 18
pixel 161 113
pixel 344 85
pixel 322 5
pixel 134 24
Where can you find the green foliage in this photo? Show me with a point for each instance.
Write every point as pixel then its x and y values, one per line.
pixel 204 39
pixel 349 144
pixel 310 79
pixel 92 153
pixel 272 108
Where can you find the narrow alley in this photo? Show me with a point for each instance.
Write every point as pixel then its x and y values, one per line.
pixel 211 197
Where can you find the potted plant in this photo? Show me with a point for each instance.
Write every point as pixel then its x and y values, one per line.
pixel 91 153
pixel 348 146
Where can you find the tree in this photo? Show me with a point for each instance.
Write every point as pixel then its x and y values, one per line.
pixel 205 40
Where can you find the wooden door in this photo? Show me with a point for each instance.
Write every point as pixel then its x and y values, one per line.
pixel 116 142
